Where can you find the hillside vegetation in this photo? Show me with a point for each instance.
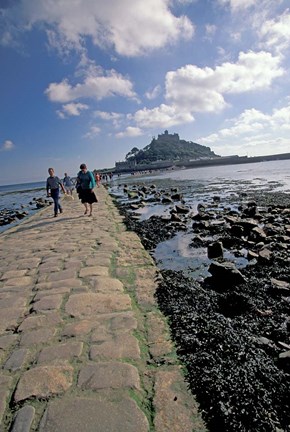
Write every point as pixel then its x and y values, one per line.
pixel 168 147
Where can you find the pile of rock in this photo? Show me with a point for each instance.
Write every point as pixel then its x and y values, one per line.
pixel 9 216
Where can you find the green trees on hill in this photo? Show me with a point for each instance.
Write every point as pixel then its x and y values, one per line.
pixel 169 148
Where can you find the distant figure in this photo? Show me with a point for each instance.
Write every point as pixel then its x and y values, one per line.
pixel 52 188
pixel 68 184
pixel 85 188
pixel 98 179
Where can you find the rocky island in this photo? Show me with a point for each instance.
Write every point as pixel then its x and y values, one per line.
pixel 168 151
pixel 165 151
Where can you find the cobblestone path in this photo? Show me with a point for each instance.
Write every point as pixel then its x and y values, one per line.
pixel 83 346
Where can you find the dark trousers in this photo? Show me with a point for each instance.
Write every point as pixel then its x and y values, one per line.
pixel 55 197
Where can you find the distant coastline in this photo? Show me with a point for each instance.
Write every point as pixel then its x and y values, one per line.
pixel 222 160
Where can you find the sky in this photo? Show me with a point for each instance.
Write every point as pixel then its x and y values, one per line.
pixel 85 81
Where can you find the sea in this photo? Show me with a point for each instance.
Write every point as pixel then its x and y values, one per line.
pixel 20 197
pixel 200 186
pixel 195 183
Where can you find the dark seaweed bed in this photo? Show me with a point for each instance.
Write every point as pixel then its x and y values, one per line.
pixel 230 332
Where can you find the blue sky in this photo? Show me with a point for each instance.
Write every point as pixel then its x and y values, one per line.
pixel 88 80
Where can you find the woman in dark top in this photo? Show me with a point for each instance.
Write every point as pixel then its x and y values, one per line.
pixel 85 188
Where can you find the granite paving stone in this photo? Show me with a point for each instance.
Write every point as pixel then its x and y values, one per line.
pixel 50 302
pixel 7 341
pixel 109 375
pixel 5 387
pixel 121 346
pixel 29 264
pixel 55 353
pixel 106 284
pixel 19 281
pixel 9 318
pixel 16 359
pixel 34 322
pixel 69 283
pixel 79 328
pixel 173 406
pixel 94 271
pixel 52 292
pixel 103 261
pixel 23 419
pixel 13 274
pixel 62 275
pixel 49 268
pixel 158 341
pixel 43 382
pixel 89 304
pixel 38 336
pixel 13 300
pixel 93 415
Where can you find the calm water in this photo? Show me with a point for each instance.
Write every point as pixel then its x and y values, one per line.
pixel 19 197
pixel 259 174
pixel 196 184
pixel 199 185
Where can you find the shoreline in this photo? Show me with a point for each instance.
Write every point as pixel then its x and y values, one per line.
pixel 213 162
pixel 234 339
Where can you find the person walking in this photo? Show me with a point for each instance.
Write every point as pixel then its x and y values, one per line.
pixel 52 189
pixel 85 188
pixel 98 178
pixel 68 184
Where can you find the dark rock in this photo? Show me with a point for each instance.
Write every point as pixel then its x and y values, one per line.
pixel 237 230
pixel 182 209
pixel 224 273
pixel 175 217
pixel 257 234
pixel 215 250
pixel 280 287
pixel 252 255
pixel 166 200
pixel 265 256
pixel 176 197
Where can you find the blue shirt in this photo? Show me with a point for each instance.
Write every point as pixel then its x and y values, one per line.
pixel 52 183
pixel 67 181
pixel 86 180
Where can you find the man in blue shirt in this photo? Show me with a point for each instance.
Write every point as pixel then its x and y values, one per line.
pixel 52 188
pixel 68 184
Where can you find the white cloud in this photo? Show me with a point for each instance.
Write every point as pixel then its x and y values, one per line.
pixel 115 118
pixel 130 27
pixel 191 89
pixel 93 86
pixel 7 146
pixel 153 94
pixel 203 90
pixel 72 109
pixel 237 5
pixel 275 33
pixel 108 115
pixel 161 117
pixel 93 132
pixel 253 132
pixel 130 132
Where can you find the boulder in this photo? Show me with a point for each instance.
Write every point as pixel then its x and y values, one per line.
pixel 182 209
pixel 226 273
pixel 215 250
